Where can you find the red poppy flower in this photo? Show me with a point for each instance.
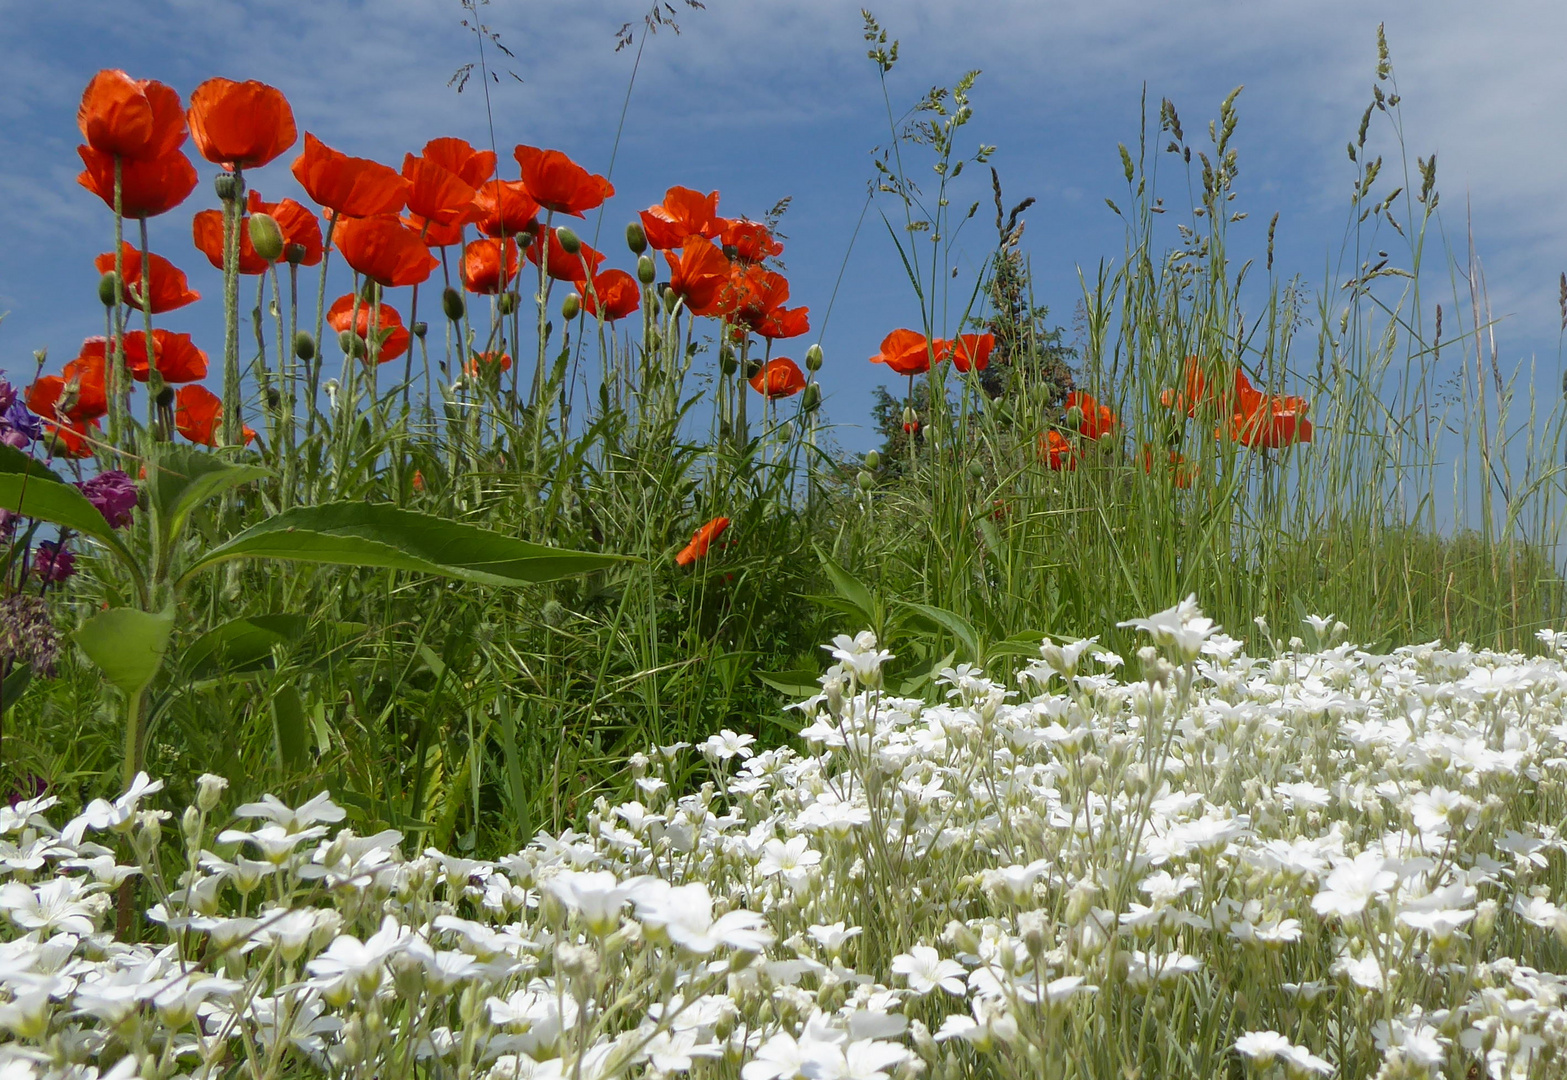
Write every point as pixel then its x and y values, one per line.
pixel 482 266
pixel 437 194
pixel 434 235
pixel 472 167
pixel 780 377
pixel 1181 474
pixel 132 118
pixel 349 186
pixel 1058 451
pixel 147 187
pixel 389 329
pixel 86 375
pixel 752 241
pixel 75 440
pixel 207 233
pixel 683 213
pixel 506 209
pixel 176 356
pixel 564 267
pixel 1194 390
pixel 763 293
pixel 616 291
pixel 242 125
pixel 384 251
pixel 701 540
pixel 909 352
pixel 297 224
pixel 1097 420
pixel 971 350
pixel 198 414
pixel 169 289
pixel 487 365
pixel 1271 422
pixel 700 275
pixel 557 183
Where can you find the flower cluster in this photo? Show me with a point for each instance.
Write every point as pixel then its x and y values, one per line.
pixel 1318 861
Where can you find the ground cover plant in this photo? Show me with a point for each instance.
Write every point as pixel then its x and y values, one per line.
pixel 1320 860
pixel 473 515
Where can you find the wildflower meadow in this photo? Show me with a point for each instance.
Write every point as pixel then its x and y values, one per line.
pixel 426 678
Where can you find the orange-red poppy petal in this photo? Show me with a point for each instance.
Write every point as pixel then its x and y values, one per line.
pixel 243 124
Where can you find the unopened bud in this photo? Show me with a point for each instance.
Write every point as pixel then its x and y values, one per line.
pixel 228 186
pixel 452 304
pixel 420 329
pixel 571 306
pixel 910 416
pixel 209 789
pixel 266 237
pixel 351 344
pixel 865 480
pixel 727 362
pixel 371 292
pixel 636 238
pixel 813 397
pixel 671 298
pixel 753 368
pixel 109 289
pixel 567 240
pixel 872 460
pixel 646 271
pixel 165 397
pixel 813 358
pixel 274 398
pixel 294 253
pixel 976 469
pixel 506 303
pixel 304 345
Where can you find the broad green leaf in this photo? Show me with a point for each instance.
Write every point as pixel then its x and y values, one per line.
pixel 30 489
pixel 241 645
pixel 1025 643
pixel 15 686
pixel 378 535
pixel 952 621
pixel 791 684
pixel 849 588
pixel 288 727
pixel 127 645
pixel 185 478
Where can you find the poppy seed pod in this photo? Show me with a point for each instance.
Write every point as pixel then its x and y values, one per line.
pixel 872 460
pixel 813 358
pixel 671 299
pixel 571 306
pixel 753 368
pixel 229 186
pixel 420 328
pixel 636 238
pixel 646 271
pixel 266 237
pixel 295 253
pixel 506 303
pixel 109 289
pixel 304 345
pixel 567 240
pixel 274 399
pixel 452 304
pixel 976 469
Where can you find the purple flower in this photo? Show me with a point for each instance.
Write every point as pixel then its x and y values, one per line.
pixel 27 633
pixel 114 494
pixel 53 563
pixel 7 395
pixel 18 426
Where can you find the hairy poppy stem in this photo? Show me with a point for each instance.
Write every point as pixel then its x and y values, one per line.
pixel 154 376
pixel 233 427
pixel 314 366
pixel 117 372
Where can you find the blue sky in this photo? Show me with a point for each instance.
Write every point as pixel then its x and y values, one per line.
pixel 763 99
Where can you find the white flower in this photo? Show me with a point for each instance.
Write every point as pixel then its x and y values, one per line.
pixel 791 858
pixel 1182 627
pixel 833 936
pixel 925 970
pixel 1353 884
pixel 727 744
pixel 1267 1046
pixel 105 815
pixel 859 655
pixel 317 810
pixel 348 962
pixel 596 895
pixel 685 914
pixel 57 904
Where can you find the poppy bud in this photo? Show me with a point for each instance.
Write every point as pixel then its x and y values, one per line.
pixel 976 469
pixel 910 416
pixel 274 399
pixel 865 480
pixel 636 238
pixel 506 303
pixel 553 613
pixel 109 289
pixel 646 271
pixel 753 368
pixel 872 460
pixel 228 186
pixel 420 329
pixel 671 298
pixel 452 304
pixel 1074 417
pixel 295 253
pixel 166 397
pixel 813 358
pixel 727 362
pixel 812 398
pixel 351 344
pixel 266 237
pixel 371 291
pixel 304 345
pixel 567 240
pixel 571 306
